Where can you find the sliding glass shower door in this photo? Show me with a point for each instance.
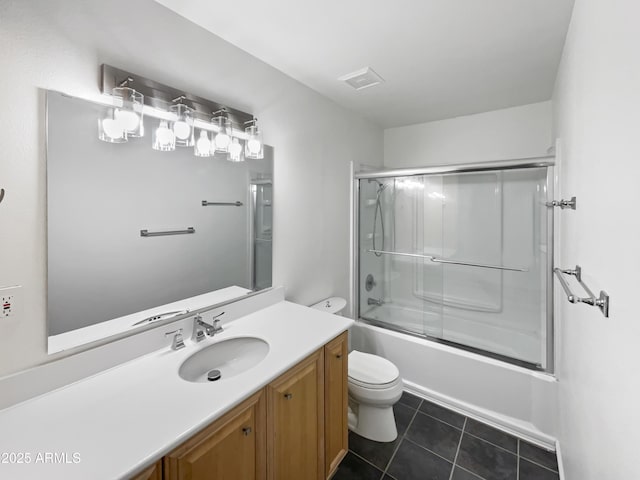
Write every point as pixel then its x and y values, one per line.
pixel 459 257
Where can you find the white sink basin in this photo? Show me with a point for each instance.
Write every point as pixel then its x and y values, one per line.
pixel 231 357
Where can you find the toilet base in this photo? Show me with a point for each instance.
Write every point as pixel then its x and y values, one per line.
pixel 374 423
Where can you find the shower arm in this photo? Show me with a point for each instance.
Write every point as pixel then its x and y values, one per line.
pixel 450 262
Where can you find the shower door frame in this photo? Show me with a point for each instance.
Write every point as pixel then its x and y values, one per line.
pixel 547 162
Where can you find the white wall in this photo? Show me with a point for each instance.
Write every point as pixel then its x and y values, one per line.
pixel 60 44
pixel 597 116
pixel 516 132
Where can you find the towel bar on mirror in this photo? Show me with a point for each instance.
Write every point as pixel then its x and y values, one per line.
pixel 227 204
pixel 147 233
pixel 602 302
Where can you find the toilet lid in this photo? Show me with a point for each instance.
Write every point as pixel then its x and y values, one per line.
pixel 369 369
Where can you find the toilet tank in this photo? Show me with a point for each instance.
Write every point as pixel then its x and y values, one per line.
pixel 333 305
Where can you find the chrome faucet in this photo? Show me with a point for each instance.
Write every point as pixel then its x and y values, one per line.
pixel 177 342
pixel 209 329
pixel 374 301
pixel 198 329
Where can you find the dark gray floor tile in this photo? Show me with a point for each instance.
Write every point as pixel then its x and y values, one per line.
pixel 435 435
pixel 375 452
pixel 492 435
pixel 460 474
pixel 486 460
pixel 388 477
pixel 354 468
pixel 403 416
pixel 379 453
pixel 539 455
pixel 441 413
pixel 410 400
pixel 531 471
pixel 412 462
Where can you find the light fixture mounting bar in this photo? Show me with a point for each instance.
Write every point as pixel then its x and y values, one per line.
pixel 158 95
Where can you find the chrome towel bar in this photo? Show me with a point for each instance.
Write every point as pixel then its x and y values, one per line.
pixel 602 302
pixel 147 233
pixel 451 262
pixel 227 204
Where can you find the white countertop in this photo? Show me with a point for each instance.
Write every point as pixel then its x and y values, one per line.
pixel 122 420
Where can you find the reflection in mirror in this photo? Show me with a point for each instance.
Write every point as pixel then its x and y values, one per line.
pixel 106 275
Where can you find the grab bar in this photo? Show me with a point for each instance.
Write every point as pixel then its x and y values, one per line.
pixel 452 262
pixel 602 302
pixel 228 204
pixel 147 233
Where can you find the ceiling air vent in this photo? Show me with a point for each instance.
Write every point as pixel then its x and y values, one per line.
pixel 363 78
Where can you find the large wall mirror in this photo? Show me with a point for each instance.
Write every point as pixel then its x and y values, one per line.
pixel 106 275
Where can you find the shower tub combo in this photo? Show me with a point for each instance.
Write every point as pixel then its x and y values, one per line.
pixel 453 283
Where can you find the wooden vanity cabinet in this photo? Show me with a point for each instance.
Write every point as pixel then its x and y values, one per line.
pixel 335 403
pixel 295 422
pixel 232 447
pixel 154 472
pixel 293 429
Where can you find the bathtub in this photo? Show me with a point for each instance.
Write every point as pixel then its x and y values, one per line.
pixel 517 400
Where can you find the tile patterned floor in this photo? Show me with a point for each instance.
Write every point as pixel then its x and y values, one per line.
pixel 435 443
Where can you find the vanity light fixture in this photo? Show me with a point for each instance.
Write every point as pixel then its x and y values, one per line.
pixel 164 140
pixel 109 129
pixel 236 151
pixel 128 112
pixel 185 119
pixel 182 126
pixel 253 146
pixel 222 138
pixel 203 146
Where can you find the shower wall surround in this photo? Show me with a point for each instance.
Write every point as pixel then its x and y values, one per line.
pixel 466 258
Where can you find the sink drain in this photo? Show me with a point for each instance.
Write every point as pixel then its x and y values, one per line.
pixel 214 375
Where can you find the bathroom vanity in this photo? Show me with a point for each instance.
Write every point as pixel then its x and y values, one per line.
pixel 283 418
pixel 293 428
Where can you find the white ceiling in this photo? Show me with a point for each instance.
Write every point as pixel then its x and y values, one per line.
pixel 440 58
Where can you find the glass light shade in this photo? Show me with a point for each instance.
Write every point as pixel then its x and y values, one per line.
pixel 111 130
pixel 235 151
pixel 164 139
pixel 253 147
pixel 222 138
pixel 203 146
pixel 182 126
pixel 128 111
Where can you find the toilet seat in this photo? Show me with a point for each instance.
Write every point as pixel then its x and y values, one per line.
pixel 371 371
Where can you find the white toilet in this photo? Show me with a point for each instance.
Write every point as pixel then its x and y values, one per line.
pixel 374 387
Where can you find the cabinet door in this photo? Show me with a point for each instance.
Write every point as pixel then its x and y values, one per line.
pixel 295 405
pixel 154 472
pixel 231 448
pixel 335 407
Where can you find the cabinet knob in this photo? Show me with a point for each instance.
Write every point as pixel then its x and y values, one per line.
pixel 246 431
pixel 288 396
pixel 339 356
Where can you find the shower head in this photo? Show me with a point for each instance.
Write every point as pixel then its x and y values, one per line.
pixel 381 186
